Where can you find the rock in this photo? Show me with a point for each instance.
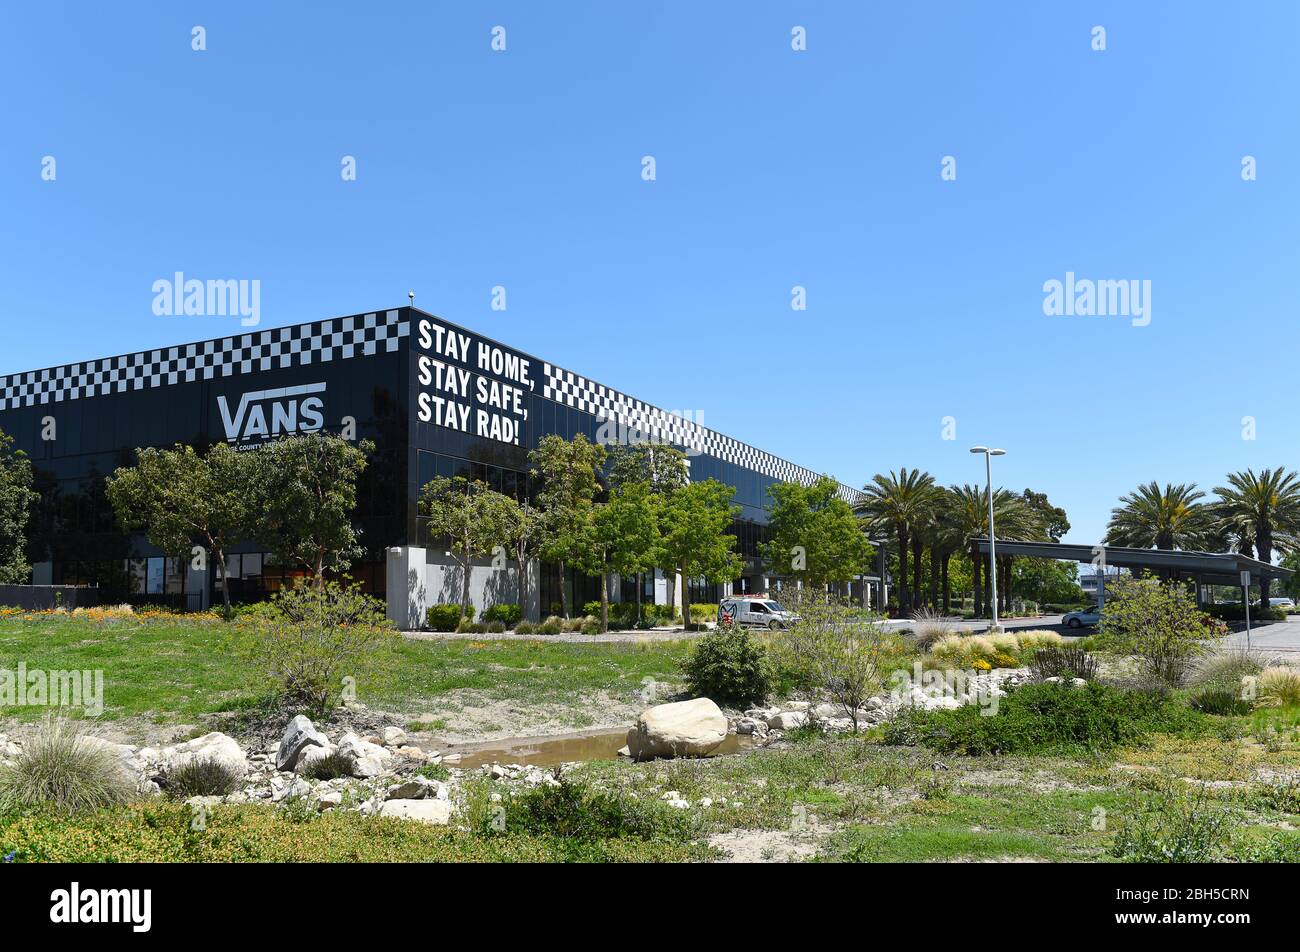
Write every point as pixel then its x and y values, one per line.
pixel 681 729
pixel 497 772
pixel 625 751
pixel 824 712
pixel 679 804
pixel 125 753
pixel 368 759
pixel 310 754
pixel 751 725
pixel 418 788
pixel 425 811
pixel 788 720
pixel 213 746
pixel 395 737
pixel 329 799
pixel 300 734
pixel 795 706
pixel 410 753
pixel 289 791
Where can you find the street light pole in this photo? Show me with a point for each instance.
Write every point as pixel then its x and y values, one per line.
pixel 993 552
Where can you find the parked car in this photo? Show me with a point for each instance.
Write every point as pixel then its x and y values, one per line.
pixel 1283 603
pixel 1086 617
pixel 755 613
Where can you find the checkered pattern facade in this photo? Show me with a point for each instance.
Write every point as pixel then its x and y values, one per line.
pixel 580 393
pixel 319 342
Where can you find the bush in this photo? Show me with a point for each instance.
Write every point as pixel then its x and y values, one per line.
pixel 728 667
pixel 590 626
pixel 573 811
pixel 496 627
pixel 1227 670
pixel 1067 662
pixel 963 650
pixel 205 777
pixel 1223 703
pixel 65 769
pixel 525 628
pixel 552 626
pixel 929 628
pixel 330 767
pixel 1233 611
pixel 1160 625
pixel 1047 719
pixel 1279 687
pixel 445 617
pixel 505 612
pixel 467 627
pixel 319 635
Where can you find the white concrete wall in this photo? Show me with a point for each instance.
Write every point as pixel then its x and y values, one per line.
pixel 418 578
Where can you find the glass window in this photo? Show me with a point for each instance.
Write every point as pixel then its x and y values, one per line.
pixel 252 567
pixel 154 585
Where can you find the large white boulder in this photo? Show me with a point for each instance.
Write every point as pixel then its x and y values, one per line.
pixel 425 811
pixel 300 734
pixel 788 720
pixel 214 746
pixel 681 729
pixel 368 760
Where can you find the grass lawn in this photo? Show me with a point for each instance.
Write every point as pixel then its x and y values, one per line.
pixel 175 669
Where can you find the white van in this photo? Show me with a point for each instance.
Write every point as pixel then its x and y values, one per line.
pixel 754 613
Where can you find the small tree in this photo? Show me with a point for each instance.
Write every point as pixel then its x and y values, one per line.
pixel 813 534
pixel 16 501
pixel 569 472
pixel 474 517
pixel 836 650
pixel 179 498
pixel 315 636
pixel 696 518
pixel 1159 625
pixel 306 493
pixel 522 530
pixel 624 539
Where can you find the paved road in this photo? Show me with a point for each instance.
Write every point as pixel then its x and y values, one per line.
pixel 1282 637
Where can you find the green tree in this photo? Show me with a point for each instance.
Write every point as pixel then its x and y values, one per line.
pixel 523 528
pixel 569 473
pixel 306 491
pixel 1168 518
pixel 695 537
pixel 16 501
pixel 1158 624
pixel 1052 518
pixel 179 499
pixel 662 468
pixel 624 539
pixel 472 516
pixel 900 504
pixel 813 534
pixel 1269 503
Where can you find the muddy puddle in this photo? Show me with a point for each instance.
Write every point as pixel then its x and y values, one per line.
pixel 562 749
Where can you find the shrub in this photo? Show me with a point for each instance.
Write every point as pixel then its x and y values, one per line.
pixel 574 811
pixel 1223 703
pixel 590 626
pixel 1279 687
pixel 445 617
pixel 320 634
pixel 929 628
pixel 704 612
pixel 1047 718
pixel 471 628
pixel 330 767
pixel 729 667
pixel 1159 624
pixel 1233 611
pixel 1030 640
pixel 65 769
pixel 964 650
pixel 1004 643
pixel 525 628
pixel 505 612
pixel 200 777
pixel 552 626
pixel 496 627
pixel 1067 662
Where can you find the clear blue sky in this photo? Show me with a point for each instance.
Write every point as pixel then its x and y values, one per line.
pixel 775 168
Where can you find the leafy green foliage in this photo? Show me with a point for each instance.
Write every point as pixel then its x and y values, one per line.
pixel 475 518
pixel 813 534
pixel 446 617
pixel 1223 703
pixel 1174 826
pixel 505 612
pixel 16 501
pixel 696 518
pixel 1159 624
pixel 574 811
pixel 569 484
pixel 1063 662
pixel 1047 719
pixel 306 491
pixel 729 667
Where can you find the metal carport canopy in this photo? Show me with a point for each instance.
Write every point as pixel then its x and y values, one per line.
pixel 1211 568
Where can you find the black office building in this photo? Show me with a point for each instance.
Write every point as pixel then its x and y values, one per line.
pixel 435 398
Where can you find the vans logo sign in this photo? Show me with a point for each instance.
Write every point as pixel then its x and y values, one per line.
pixel 262 414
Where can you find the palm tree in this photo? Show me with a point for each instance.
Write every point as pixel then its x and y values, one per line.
pixel 1269 504
pixel 968 515
pixel 899 504
pixel 1169 518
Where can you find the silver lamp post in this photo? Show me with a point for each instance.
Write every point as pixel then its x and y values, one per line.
pixel 993 555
